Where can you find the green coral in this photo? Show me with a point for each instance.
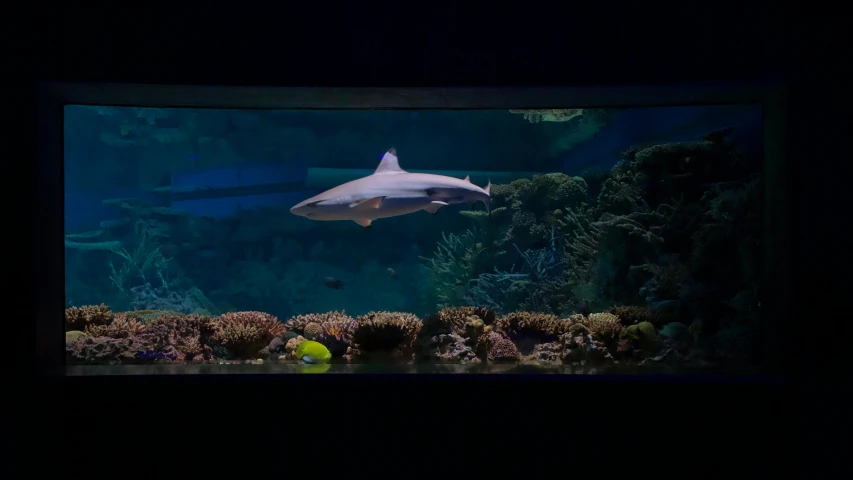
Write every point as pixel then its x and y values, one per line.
pixel 642 335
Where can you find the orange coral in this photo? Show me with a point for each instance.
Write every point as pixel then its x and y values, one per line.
pixel 244 334
pixel 79 318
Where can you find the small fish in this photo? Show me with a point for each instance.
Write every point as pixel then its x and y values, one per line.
pixel 392 272
pixel 333 282
pixel 310 351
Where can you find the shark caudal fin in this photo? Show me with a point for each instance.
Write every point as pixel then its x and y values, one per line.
pixel 389 164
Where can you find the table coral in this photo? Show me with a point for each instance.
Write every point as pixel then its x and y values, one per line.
pixel 532 328
pixel 78 318
pixel 244 334
pixel 105 350
pixel 386 332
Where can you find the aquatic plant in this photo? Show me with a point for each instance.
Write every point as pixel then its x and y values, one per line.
pixel 78 318
pixel 145 257
pixel 452 265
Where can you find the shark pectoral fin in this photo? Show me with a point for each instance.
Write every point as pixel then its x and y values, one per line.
pixel 364 222
pixel 374 202
pixel 433 207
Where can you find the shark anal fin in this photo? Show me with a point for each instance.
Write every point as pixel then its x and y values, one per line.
pixel 433 207
pixel 374 202
pixel 364 222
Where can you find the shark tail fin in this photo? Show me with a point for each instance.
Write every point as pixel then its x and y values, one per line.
pixel 488 187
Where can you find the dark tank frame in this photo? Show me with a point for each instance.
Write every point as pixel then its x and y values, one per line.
pixel 50 261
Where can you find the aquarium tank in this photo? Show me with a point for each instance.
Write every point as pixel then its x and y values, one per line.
pixel 564 240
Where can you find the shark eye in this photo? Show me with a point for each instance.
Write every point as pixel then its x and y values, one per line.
pixel 312 204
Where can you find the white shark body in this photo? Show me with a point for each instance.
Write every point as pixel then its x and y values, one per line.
pixel 390 191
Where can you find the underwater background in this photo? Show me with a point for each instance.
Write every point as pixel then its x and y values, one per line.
pixel 615 236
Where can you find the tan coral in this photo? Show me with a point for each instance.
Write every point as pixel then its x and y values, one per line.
pixel 453 319
pixel 605 327
pixel 544 325
pixel 297 323
pixel 121 327
pixel 78 318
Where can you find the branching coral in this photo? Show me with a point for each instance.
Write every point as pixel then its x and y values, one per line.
pixel 453 320
pixel 121 327
pixel 78 318
pixel 605 327
pixel 244 334
pixel 336 320
pixel 386 333
pixel 633 314
pixel 190 335
pixel 105 350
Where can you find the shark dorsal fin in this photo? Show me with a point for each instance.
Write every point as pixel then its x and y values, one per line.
pixel 389 164
pixel 468 178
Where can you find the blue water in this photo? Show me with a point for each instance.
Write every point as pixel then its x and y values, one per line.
pixel 188 211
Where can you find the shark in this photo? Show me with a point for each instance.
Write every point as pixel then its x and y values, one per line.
pixel 391 191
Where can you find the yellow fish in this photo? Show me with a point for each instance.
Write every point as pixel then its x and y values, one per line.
pixel 310 351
